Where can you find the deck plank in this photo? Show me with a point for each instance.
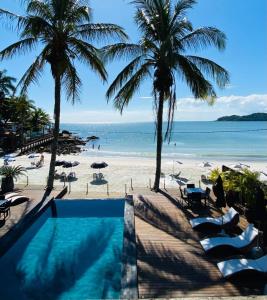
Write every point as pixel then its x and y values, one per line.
pixel 170 260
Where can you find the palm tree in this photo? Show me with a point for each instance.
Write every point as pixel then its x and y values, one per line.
pixel 161 55
pixel 39 118
pixel 23 108
pixel 64 30
pixel 6 85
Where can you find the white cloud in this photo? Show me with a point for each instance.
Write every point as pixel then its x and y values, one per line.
pixel 187 109
pixel 146 97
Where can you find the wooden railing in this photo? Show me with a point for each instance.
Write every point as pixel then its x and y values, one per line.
pixel 31 145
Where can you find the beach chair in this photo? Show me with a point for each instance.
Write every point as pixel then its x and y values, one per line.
pixel 190 186
pixel 235 266
pixel 194 199
pixel 5 211
pixel 242 242
pixel 8 195
pixel 17 199
pixel 228 220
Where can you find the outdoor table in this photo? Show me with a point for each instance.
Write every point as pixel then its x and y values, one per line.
pixel 4 202
pixel 190 191
pixel 4 209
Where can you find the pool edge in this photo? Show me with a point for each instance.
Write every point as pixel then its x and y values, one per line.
pixel 129 288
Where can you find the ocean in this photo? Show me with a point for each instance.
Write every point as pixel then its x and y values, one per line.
pixel 192 140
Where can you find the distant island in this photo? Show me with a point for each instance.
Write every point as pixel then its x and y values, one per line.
pixel 251 117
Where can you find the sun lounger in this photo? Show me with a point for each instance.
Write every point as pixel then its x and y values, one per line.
pixel 18 199
pixel 227 220
pixel 241 242
pixel 9 195
pixel 235 266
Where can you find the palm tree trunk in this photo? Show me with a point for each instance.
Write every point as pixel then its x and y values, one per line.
pixel 50 181
pixel 159 142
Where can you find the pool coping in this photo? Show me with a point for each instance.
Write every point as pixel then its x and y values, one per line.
pixel 129 265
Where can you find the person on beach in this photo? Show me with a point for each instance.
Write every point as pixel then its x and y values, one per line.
pixel 98 147
pixel 93 146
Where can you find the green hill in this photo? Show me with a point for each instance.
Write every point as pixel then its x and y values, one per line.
pixel 251 117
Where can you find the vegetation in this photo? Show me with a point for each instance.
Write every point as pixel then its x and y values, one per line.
pixel 22 112
pixel 251 117
pixel 161 55
pixel 65 32
pixel 6 85
pixel 243 183
pixel 10 173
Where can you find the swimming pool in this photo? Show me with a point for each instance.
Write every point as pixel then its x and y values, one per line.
pixel 73 250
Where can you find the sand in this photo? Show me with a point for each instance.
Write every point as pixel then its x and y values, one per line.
pixel 121 170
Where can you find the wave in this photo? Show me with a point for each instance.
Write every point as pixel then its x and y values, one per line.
pixel 174 155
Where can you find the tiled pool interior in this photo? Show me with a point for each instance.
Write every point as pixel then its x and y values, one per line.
pixel 72 251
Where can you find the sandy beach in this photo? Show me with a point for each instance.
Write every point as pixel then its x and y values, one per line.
pixel 121 170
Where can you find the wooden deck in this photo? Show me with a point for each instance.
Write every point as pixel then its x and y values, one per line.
pixel 171 262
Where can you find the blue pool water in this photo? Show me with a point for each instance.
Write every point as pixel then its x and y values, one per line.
pixel 73 251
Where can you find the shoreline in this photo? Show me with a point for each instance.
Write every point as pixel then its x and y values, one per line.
pixel 122 170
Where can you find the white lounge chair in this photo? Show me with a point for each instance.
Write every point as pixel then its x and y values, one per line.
pixel 9 195
pixel 240 242
pixel 18 199
pixel 227 220
pixel 234 266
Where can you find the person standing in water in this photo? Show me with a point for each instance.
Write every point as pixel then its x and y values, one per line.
pixel 98 147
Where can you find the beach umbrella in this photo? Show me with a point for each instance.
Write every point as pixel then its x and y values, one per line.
pixel 33 155
pixel 69 164
pixel 237 166
pixel 219 193
pixel 205 164
pixel 60 162
pixel 99 166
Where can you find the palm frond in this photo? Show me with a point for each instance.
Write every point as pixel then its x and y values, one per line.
pixel 121 50
pixel 20 47
pixel 123 76
pixel 89 54
pixel 215 71
pixel 203 37
pixel 101 32
pixel 200 87
pixel 72 83
pixel 40 9
pixel 33 73
pixel 132 85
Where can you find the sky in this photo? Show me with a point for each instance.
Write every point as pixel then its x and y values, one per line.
pixel 243 21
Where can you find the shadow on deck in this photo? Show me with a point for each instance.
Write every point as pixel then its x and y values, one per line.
pixel 171 262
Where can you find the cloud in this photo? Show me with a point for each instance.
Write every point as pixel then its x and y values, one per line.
pixel 146 97
pixel 188 109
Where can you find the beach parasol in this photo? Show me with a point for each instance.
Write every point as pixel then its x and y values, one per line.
pixel 33 155
pixel 69 164
pixel 205 164
pixel 60 162
pixel 219 192
pixel 99 166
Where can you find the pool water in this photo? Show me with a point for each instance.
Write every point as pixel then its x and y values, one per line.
pixel 73 253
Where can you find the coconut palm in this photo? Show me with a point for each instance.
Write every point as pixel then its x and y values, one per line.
pixel 160 55
pixel 39 118
pixel 6 85
pixel 64 30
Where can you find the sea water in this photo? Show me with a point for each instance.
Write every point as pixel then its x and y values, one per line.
pixel 216 140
